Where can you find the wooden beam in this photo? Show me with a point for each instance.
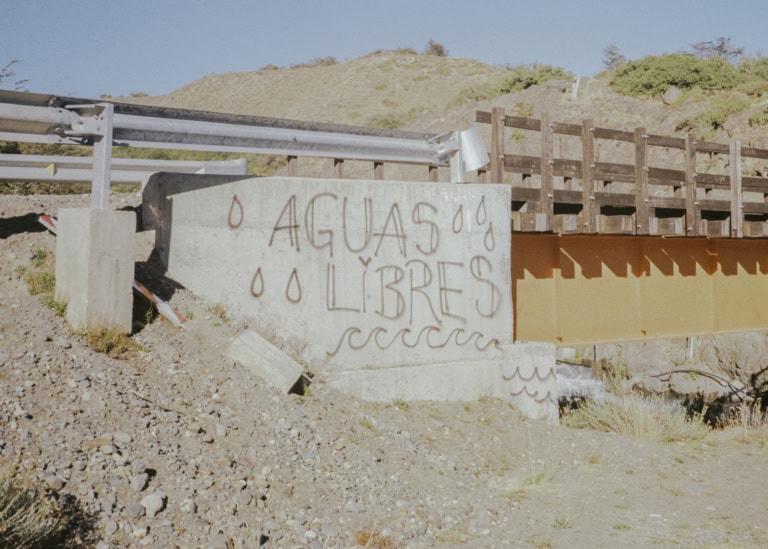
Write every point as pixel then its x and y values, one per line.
pixel 589 213
pixel 692 212
pixel 737 197
pixel 642 215
pixel 497 145
pixel 547 163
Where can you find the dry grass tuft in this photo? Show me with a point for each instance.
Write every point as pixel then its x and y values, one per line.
pixel 41 280
pixel 638 416
pixel 28 518
pixel 373 538
pixel 114 343
pixel 749 425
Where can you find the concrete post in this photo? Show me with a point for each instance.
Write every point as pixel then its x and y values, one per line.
pixel 95 267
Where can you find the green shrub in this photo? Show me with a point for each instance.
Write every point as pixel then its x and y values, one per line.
pixel 40 282
pixel 435 48
pixel 386 121
pixel 523 77
pixel 9 147
pixel 754 68
pixel 653 75
pixel 759 118
pixel 720 108
pixel 316 62
pixel 524 109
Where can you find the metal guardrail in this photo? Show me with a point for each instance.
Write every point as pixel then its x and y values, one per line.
pixel 79 169
pixel 65 120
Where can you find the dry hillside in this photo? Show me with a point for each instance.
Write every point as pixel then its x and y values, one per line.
pixel 428 93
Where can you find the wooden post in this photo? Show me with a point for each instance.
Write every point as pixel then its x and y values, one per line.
pixel 378 170
pixel 589 210
pixel 642 213
pixel 482 176
pixel 433 174
pixel 292 169
pixel 338 168
pixel 691 210
pixel 737 197
pixel 497 145
pixel 547 204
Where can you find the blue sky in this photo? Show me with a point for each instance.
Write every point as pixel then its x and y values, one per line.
pixel 91 47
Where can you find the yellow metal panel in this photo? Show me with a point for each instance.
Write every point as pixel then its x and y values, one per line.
pixel 741 285
pixel 533 285
pixel 578 289
pixel 597 290
pixel 676 289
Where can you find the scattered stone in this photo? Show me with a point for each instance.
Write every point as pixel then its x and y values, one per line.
pixel 107 449
pixel 135 510
pixel 672 94
pixel 188 506
pixel 153 503
pixel 138 466
pixel 219 541
pixel 55 483
pixel 110 527
pixel 139 482
pixel 62 343
pixel 122 438
pixel 244 497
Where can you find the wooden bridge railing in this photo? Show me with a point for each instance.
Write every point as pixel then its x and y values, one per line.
pixel 656 201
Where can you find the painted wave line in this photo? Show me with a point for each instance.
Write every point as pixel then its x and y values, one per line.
pixel 401 334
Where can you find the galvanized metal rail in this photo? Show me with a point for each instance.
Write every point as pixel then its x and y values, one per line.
pixel 41 118
pixel 79 169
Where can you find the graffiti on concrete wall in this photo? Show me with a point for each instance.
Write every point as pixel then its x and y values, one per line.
pixel 382 273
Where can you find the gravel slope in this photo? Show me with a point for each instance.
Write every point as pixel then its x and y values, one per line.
pixel 174 447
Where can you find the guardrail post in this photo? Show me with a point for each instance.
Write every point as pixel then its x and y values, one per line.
pixel 292 168
pixel 378 170
pixel 737 197
pixel 102 157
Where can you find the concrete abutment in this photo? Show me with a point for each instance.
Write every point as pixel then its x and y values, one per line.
pixel 386 290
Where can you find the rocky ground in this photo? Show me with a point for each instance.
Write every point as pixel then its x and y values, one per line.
pixel 172 446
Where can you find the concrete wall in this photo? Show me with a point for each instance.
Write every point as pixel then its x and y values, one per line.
pixel 384 289
pixel 349 273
